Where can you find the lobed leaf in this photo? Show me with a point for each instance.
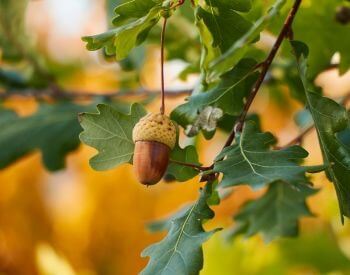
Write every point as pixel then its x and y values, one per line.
pixel 133 22
pixel 224 23
pixel 252 161
pixel 228 94
pixel 53 129
pixel 110 132
pixel 220 25
pixel 332 122
pixel 213 199
pixel 237 50
pixel 276 213
pixel 180 252
pixel 187 155
pixel 132 10
pixel 237 5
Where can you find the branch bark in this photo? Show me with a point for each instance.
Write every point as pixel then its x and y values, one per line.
pixel 194 166
pixel 284 33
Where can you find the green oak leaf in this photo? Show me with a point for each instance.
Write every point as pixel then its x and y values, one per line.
pixel 130 10
pixel 237 50
pixel 225 24
pixel 209 52
pixel 252 161
pixel 181 172
pixel 228 94
pixel 276 213
pixel 133 22
pixel 110 6
pixel 237 5
pixel 214 199
pixel 330 119
pixel 180 252
pixel 220 25
pixel 53 129
pixel 165 223
pixel 110 132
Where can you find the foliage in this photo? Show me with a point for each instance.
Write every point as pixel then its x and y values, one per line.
pixel 187 155
pixel 53 130
pixel 276 213
pixel 218 41
pixel 133 21
pixel 251 161
pixel 325 31
pixel 181 251
pixel 238 49
pixel 330 119
pixel 228 95
pixel 110 132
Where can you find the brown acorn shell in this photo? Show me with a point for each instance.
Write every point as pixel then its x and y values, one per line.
pixel 150 161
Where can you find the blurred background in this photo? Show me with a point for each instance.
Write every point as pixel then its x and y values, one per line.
pixel 78 221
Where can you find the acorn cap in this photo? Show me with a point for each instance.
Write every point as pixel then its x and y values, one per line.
pixel 155 127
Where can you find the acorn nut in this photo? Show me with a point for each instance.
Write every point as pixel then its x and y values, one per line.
pixel 154 137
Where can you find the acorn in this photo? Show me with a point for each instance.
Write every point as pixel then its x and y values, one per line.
pixel 154 137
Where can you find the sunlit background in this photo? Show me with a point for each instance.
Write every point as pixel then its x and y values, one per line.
pixel 79 221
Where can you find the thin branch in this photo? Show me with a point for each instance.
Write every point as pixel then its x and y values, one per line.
pixel 299 138
pixel 51 93
pixel 265 65
pixel 285 32
pixel 194 166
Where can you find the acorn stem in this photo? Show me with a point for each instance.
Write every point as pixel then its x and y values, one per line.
pixel 162 41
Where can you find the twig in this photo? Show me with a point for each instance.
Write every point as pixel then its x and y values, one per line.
pixel 194 166
pixel 299 138
pixel 285 31
pixel 69 94
pixel 265 65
